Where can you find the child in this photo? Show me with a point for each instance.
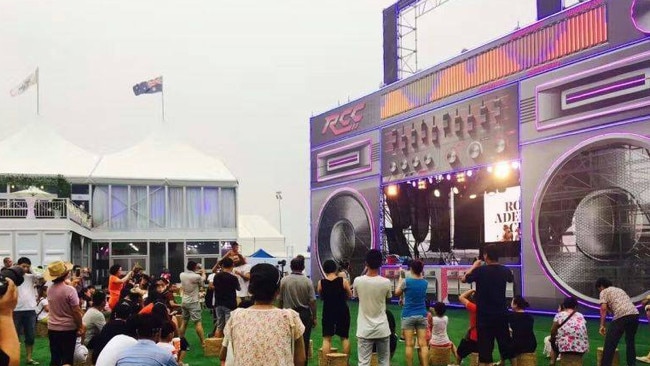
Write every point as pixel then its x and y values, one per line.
pixel 438 328
pixel 167 339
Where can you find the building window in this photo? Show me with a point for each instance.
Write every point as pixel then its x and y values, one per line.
pixel 130 248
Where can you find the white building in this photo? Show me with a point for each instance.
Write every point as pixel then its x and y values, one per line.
pixel 159 203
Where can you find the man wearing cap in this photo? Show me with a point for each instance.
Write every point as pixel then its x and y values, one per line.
pixel 65 319
pixel 25 311
pixel 191 283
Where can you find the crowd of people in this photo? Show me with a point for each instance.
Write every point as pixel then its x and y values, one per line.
pixel 266 317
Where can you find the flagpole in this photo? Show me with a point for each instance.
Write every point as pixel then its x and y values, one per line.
pixel 38 93
pixel 162 99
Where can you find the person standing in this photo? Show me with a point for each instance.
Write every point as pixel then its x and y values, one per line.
pixel 263 334
pixel 334 291
pixel 116 283
pixel 243 272
pixel 297 293
pixel 225 295
pixel 414 312
pixel 372 323
pixel 65 320
pixel 25 311
pixel 191 283
pixel 492 309
pixel 625 320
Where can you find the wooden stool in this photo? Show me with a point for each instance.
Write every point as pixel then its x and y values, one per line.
pixel 212 346
pixel 599 356
pixel 473 359
pixel 528 359
pixel 41 329
pixel 570 360
pixel 374 360
pixel 322 359
pixel 439 356
pixel 336 359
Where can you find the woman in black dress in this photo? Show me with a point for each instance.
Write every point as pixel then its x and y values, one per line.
pixel 521 324
pixel 334 291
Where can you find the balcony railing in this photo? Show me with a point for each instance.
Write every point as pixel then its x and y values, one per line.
pixel 59 208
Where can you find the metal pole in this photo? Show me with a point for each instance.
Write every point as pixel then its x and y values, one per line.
pixel 38 93
pixel 162 99
pixel 278 195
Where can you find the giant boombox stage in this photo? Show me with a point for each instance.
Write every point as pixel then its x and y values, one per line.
pixel 538 142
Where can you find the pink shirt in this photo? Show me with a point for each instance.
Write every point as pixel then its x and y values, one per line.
pixel 63 300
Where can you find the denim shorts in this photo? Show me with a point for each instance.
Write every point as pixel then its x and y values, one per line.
pixel 414 322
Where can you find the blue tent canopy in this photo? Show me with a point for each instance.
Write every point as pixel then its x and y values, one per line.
pixel 261 253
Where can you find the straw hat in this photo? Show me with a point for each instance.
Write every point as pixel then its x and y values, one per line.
pixel 56 269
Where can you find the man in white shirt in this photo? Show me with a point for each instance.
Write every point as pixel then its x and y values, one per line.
pixel 243 273
pixel 25 310
pixel 113 350
pixel 372 323
pixel 191 283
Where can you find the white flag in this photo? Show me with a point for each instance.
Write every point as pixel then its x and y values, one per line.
pixel 30 80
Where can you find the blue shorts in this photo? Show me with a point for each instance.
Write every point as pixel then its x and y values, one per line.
pixel 416 322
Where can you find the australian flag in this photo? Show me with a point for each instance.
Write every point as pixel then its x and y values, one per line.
pixel 149 87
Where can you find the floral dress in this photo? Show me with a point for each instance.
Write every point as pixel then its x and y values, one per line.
pixel 572 336
pixel 263 336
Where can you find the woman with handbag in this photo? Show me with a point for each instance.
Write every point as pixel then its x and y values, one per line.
pixel 569 333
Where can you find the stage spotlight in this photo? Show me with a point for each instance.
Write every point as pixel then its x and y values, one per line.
pixel 489 169
pixel 469 173
pixel 436 192
pixel 448 176
pixel 455 190
pixel 430 180
pixel 460 177
pixel 391 190
pixel 472 196
pixel 502 170
pixel 515 165
pixel 422 184
pixel 414 184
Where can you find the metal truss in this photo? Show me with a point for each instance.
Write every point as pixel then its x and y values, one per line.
pixel 407 34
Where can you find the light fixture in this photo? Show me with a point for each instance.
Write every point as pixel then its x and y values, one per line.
pixel 430 180
pixel 391 190
pixel 460 177
pixel 455 190
pixel 469 173
pixel 422 184
pixel 489 169
pixel 436 192
pixel 414 184
pixel 515 165
pixel 448 176
pixel 472 196
pixel 502 170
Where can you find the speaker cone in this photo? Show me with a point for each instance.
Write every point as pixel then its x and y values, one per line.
pixel 344 231
pixel 592 217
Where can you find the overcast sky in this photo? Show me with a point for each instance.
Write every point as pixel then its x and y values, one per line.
pixel 241 78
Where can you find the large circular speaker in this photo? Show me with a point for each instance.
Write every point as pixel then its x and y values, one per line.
pixel 345 230
pixel 591 217
pixel 640 13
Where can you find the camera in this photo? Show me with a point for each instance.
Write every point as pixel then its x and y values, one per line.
pixel 282 262
pixel 16 274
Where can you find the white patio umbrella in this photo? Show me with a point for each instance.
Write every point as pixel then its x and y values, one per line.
pixel 33 192
pixel 31 195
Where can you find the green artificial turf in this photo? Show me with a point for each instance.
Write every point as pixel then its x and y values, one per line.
pixel 458 324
